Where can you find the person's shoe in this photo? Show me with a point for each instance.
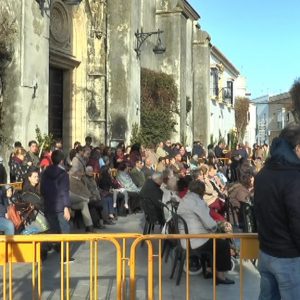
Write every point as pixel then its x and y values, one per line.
pixel 90 229
pixel 44 254
pixel 100 226
pixel 108 222
pixel 224 281
pixel 71 260
pixel 208 275
pixel 56 247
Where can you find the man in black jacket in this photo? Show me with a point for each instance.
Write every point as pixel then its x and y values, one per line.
pixel 55 191
pixel 151 196
pixel 277 209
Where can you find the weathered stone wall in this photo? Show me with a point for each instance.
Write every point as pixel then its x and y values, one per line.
pixel 201 104
pixel 123 68
pixel 26 78
pixel 179 30
pixel 89 46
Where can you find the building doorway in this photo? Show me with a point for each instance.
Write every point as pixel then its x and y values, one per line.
pixel 55 116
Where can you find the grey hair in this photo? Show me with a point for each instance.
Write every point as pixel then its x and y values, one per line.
pixel 157 177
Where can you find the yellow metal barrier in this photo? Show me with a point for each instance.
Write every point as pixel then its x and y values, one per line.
pixel 16 185
pixel 249 250
pixel 14 249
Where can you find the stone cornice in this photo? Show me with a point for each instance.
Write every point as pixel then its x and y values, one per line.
pixel 222 58
pixel 281 97
pixel 201 37
pixel 184 8
pixel 63 60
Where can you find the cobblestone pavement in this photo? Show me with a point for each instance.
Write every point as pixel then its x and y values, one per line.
pixel 200 288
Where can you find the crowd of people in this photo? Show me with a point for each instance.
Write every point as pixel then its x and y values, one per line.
pixel 207 188
pixel 103 183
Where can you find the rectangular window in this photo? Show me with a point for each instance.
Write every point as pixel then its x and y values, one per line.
pixel 230 92
pixel 214 82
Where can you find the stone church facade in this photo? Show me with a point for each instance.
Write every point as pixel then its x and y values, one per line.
pixel 75 72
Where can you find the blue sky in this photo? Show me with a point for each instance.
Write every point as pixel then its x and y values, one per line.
pixel 260 37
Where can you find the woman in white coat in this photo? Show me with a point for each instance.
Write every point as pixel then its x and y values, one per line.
pixel 195 212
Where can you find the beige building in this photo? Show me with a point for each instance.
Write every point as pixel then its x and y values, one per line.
pixel 75 68
pixel 280 114
pixel 56 79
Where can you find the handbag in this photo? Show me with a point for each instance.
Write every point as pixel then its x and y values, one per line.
pixel 20 213
pixel 14 216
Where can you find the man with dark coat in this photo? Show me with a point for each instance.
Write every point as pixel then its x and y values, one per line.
pixel 55 191
pixel 277 210
pixel 151 197
pixel 3 174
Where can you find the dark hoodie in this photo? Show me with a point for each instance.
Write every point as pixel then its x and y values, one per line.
pixel 277 202
pixel 55 189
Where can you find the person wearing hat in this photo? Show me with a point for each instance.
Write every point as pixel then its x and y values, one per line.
pixel 6 225
pixel 3 174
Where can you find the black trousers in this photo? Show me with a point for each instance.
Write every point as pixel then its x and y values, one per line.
pixel 223 258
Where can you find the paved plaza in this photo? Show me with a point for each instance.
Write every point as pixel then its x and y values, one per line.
pixel 201 289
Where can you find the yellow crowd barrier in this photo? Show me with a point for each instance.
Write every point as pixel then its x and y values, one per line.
pixel 26 249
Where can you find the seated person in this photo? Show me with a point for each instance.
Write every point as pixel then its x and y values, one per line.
pixel 193 209
pixel 161 165
pixel 147 168
pixel 109 185
pixel 211 196
pixel 136 174
pixel 183 185
pixel 6 225
pixel 242 190
pixel 80 198
pixel 119 157
pixel 215 181
pixel 104 205
pixel 170 197
pixel 126 182
pixel 31 189
pixel 194 162
pixel 151 197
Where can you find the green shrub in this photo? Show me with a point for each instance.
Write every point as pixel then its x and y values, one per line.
pixel 158 106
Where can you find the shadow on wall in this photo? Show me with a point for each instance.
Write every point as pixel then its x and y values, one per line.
pixel 119 127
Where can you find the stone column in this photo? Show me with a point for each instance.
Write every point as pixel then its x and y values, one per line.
pixel 201 82
pixel 96 72
pixel 123 68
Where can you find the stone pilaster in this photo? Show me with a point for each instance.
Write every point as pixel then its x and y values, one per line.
pixel 201 89
pixel 123 68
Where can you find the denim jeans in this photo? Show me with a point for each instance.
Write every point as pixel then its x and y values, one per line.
pixel 58 223
pixel 7 226
pixel 107 205
pixel 280 277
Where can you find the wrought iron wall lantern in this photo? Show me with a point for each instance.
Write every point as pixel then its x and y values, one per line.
pixel 141 38
pixel 44 8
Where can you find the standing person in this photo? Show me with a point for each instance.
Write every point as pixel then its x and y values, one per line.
pixel 3 174
pixel 18 167
pixel 12 154
pixel 277 210
pixel 88 143
pixel 33 154
pixel 219 149
pixel 55 191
